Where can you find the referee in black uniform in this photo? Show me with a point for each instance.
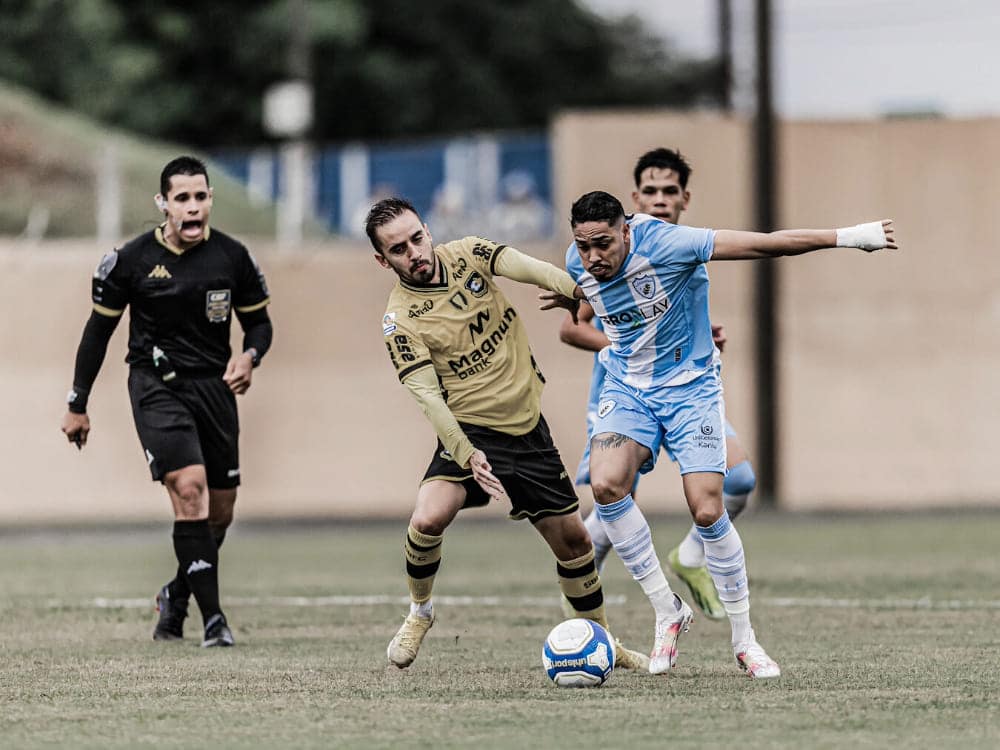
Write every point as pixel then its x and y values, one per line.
pixel 182 283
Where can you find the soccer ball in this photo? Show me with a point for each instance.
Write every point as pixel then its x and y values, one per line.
pixel 578 653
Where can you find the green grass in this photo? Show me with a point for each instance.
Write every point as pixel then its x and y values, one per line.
pixel 887 629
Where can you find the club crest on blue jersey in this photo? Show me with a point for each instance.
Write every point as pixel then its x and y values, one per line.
pixel 644 285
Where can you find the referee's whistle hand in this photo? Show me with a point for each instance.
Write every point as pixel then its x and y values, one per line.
pixel 239 373
pixel 76 427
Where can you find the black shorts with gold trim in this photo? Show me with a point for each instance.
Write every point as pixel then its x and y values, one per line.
pixel 528 466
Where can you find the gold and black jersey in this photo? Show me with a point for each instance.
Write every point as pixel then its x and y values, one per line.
pixel 179 300
pixel 468 331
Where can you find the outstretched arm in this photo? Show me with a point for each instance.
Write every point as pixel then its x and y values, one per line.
pixel 734 245
pixel 562 291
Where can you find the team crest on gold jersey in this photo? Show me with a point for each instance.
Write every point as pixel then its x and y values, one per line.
pixel 476 284
pixel 217 305
pixel 644 285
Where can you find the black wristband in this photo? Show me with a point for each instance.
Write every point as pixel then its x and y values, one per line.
pixel 77 400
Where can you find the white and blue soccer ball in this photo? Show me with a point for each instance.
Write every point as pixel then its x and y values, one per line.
pixel 578 653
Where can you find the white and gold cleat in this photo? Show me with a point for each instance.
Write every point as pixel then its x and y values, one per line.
pixel 404 645
pixel 626 658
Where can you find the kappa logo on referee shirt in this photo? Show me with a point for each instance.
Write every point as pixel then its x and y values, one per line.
pixel 159 272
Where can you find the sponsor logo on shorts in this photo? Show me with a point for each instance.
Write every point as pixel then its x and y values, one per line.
pixel 707 429
pixel 149 457
pixel 446 455
pixel 605 407
pixel 233 473
pixel 217 304
pixel 198 565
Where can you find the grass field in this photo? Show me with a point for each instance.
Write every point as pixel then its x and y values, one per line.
pixel 887 629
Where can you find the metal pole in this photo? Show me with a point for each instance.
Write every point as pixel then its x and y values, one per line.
pixel 725 31
pixel 766 279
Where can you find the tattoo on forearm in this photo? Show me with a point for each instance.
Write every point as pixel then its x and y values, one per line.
pixel 608 440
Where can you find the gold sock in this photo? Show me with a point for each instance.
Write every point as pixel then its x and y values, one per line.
pixel 581 585
pixel 423 557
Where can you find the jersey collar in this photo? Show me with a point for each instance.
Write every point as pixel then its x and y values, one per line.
pixel 161 238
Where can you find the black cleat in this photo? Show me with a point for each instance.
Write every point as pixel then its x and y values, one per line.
pixel 170 626
pixel 217 632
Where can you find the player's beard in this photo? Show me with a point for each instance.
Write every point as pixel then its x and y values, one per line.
pixel 425 273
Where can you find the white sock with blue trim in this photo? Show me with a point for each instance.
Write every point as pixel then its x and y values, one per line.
pixel 629 532
pixel 598 535
pixel 727 566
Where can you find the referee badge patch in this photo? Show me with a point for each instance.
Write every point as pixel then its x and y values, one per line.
pixel 217 305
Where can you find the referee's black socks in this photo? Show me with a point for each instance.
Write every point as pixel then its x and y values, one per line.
pixel 178 587
pixel 198 557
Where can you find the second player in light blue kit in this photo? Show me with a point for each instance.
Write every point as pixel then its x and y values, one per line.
pixel 647 283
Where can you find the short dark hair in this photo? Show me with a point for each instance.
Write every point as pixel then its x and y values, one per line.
pixel 188 165
pixel 663 158
pixel 596 206
pixel 382 213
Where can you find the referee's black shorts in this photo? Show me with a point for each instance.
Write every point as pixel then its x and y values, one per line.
pixel 528 466
pixel 187 421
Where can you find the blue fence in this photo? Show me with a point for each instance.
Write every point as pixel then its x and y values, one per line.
pixel 493 183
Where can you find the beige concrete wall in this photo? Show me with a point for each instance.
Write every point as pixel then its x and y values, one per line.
pixel 889 362
pixel 888 369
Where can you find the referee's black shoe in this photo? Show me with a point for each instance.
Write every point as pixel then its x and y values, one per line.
pixel 170 625
pixel 217 632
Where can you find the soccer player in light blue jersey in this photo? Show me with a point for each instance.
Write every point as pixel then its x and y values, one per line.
pixel 661 190
pixel 647 283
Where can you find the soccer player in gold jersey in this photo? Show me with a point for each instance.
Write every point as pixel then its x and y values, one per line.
pixel 460 348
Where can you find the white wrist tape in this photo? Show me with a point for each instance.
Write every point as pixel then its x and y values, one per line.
pixel 870 236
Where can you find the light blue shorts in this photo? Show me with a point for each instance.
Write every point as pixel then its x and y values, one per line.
pixel 687 421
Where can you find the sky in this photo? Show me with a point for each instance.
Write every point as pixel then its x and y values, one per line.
pixel 847 59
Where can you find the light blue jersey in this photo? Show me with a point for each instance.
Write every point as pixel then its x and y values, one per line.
pixel 655 314
pixel 655 309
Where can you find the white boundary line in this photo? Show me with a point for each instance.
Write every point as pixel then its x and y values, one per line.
pixel 924 603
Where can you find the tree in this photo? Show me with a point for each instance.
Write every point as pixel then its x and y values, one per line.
pixel 195 72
